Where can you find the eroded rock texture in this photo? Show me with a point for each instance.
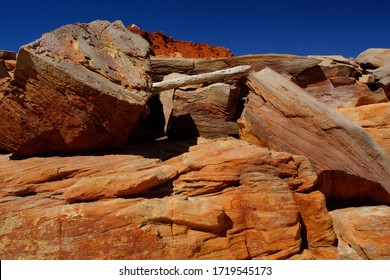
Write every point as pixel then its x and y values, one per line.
pixel 164 45
pixel 84 87
pixel 81 87
pixel 224 199
pixel 365 230
pixel 281 115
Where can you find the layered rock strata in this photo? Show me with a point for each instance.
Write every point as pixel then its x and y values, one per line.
pixel 224 199
pixel 164 46
pixel 281 115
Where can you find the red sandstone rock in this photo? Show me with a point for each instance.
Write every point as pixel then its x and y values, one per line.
pixel 344 95
pixel 281 115
pixel 366 230
pixel 228 200
pixel 163 45
pixel 333 81
pixel 80 87
pixel 220 199
pixel 206 112
pixel 288 65
pixel 375 119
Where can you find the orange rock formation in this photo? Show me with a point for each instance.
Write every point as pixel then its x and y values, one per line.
pixel 163 45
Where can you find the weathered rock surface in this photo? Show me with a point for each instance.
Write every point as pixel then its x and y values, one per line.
pixel 80 87
pixel 366 231
pixel 382 78
pixel 224 199
pixel 344 95
pixel 84 87
pixel 289 65
pixel 208 112
pixel 334 82
pixel 281 115
pixel 374 58
pixel 164 45
pixel 375 119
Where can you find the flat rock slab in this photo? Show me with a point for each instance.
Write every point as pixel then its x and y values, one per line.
pixel 78 88
pixel 283 116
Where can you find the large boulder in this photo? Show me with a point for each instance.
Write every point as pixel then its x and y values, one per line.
pixel 374 57
pixel 80 87
pixel 223 199
pixel 281 115
pixel 208 112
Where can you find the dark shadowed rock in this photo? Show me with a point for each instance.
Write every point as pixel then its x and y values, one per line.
pixel 7 55
pixel 3 71
pixel 206 112
pixel 80 87
pixel 164 45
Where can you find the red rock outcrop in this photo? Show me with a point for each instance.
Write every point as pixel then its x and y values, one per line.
pixel 224 199
pixel 83 87
pixel 80 87
pixel 164 45
pixel 281 115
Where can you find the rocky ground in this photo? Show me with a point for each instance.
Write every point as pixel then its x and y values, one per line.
pixel 290 161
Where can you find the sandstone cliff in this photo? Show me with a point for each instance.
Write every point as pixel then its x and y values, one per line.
pixel 288 162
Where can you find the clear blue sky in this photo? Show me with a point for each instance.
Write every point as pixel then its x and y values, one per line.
pixel 245 27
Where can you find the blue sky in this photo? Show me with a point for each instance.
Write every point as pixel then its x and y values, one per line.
pixel 245 27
